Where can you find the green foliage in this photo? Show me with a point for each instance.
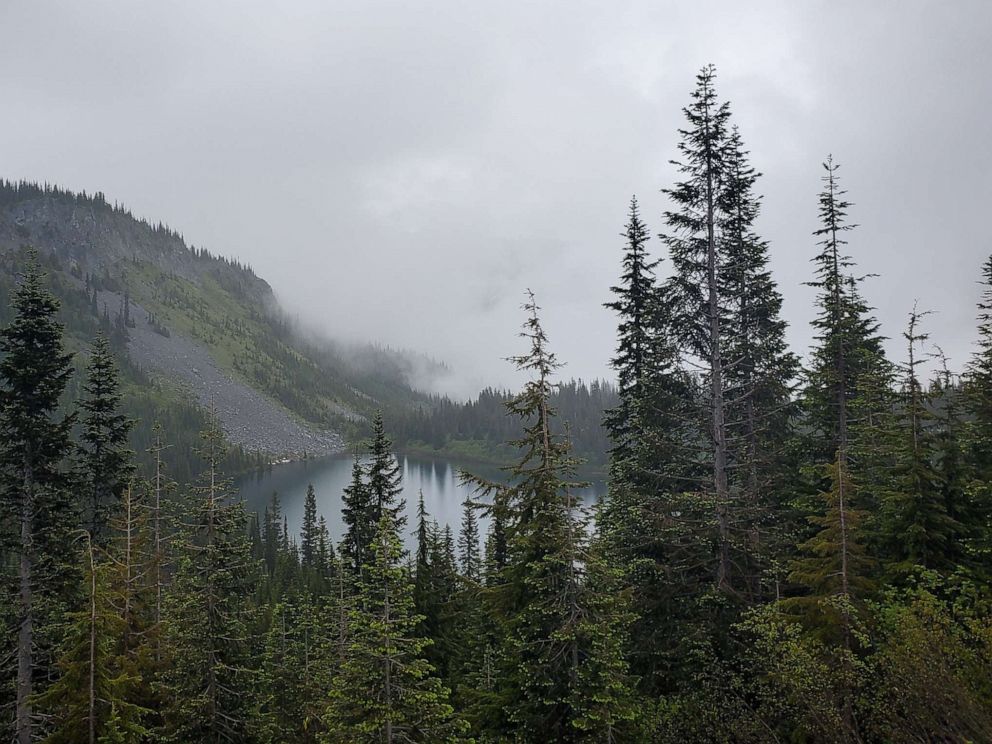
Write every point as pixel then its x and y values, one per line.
pixel 97 687
pixel 478 430
pixel 207 617
pixel 561 672
pixel 37 505
pixel 386 690
pixel 105 458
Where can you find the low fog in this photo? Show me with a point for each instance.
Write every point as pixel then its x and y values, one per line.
pixel 401 172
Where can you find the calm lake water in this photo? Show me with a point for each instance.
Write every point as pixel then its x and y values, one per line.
pixel 437 478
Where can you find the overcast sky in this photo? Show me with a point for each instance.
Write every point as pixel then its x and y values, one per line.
pixel 401 171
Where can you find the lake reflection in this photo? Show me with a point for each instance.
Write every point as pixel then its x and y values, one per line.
pixel 437 478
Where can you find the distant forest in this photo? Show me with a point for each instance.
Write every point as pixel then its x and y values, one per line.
pixel 483 427
pixel 787 552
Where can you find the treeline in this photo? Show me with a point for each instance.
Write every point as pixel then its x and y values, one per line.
pixel 484 427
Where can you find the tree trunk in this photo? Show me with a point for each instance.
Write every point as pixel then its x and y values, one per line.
pixel 92 675
pixel 717 402
pixel 388 683
pixel 25 634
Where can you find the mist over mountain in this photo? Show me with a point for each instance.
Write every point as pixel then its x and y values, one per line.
pixel 208 329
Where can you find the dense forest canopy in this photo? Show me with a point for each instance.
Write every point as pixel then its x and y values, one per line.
pixel 787 552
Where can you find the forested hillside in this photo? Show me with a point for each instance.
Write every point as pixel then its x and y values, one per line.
pixel 196 333
pixel 482 428
pixel 788 552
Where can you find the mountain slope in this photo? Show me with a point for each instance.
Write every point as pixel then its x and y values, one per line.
pixel 204 329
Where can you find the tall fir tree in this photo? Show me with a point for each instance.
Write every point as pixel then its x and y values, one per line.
pixel 636 305
pixel 697 256
pixel 849 347
pixel 469 557
pixel 34 442
pixel 295 671
pixel 976 505
pixel 356 513
pixel 105 456
pixel 648 465
pixel 308 531
pixel 384 477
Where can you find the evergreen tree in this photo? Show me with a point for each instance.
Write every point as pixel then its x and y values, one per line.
pixel 759 373
pixel 356 514
pixel 648 430
pixel 132 565
pixel 384 477
pixel 207 626
pixel 833 564
pixel 308 533
pixel 846 390
pixel 635 303
pixel 918 531
pixel 34 442
pixel 106 458
pixel 161 529
pixel 976 506
pixel 979 374
pixel 469 557
pixel 325 549
pixel 555 618
pixel 294 673
pixel 96 689
pixel 385 691
pixel 423 579
pixel 849 347
pixel 697 255
pixel 272 533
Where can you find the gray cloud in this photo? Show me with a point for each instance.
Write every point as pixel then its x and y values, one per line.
pixel 402 171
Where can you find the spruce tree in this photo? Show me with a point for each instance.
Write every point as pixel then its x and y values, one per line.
pixel 976 506
pixel 356 513
pixel 34 441
pixel 697 256
pixel 161 531
pixel 272 533
pixel 385 690
pixel 648 465
pixel 634 362
pixel 325 549
pixel 384 477
pixel 295 671
pixel 105 457
pixel 469 558
pixel 978 380
pixel 833 567
pixel 132 564
pixel 848 348
pixel 308 531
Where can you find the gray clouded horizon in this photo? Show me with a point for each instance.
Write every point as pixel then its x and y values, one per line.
pixel 400 172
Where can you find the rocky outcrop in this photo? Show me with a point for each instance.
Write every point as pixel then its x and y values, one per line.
pixel 249 419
